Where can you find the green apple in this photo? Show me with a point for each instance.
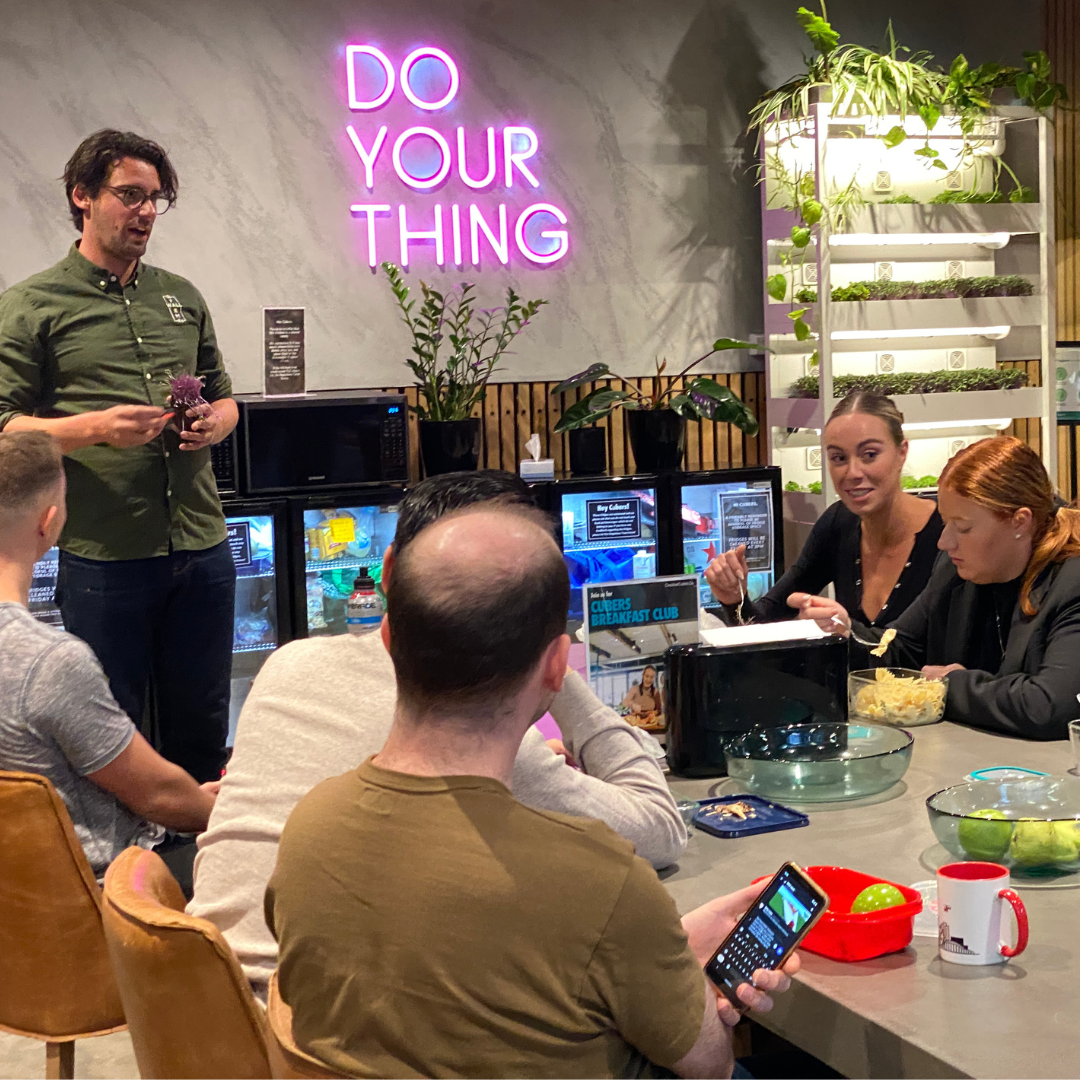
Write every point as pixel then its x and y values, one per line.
pixel 987 839
pixel 1044 843
pixel 876 897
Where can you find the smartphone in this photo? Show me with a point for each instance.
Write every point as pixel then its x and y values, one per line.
pixel 769 932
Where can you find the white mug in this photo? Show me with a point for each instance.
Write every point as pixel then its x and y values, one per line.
pixel 970 899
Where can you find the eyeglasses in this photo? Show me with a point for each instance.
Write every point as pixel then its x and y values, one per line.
pixel 134 198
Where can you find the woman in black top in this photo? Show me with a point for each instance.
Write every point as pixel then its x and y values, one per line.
pixel 876 546
pixel 1000 618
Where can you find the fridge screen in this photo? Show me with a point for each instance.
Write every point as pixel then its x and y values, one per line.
pixel 338 541
pixel 43 590
pixel 718 517
pixel 608 536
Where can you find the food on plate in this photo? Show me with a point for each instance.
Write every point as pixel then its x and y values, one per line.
pixel 876 897
pixel 901 699
pixel 988 838
pixel 1044 843
pixel 738 810
pixel 884 643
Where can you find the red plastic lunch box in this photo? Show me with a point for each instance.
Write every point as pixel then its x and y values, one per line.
pixel 841 935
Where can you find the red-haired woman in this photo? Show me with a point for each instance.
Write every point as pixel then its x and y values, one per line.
pixel 1000 616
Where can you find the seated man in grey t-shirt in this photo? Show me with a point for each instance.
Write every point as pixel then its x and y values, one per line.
pixel 57 715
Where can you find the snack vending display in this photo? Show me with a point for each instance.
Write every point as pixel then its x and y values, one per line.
pixel 260 622
pixel 338 542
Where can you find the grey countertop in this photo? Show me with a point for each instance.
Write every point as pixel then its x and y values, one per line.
pixel 910 1014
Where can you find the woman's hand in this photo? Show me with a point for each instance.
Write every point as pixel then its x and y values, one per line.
pixel 727 575
pixel 709 924
pixel 823 611
pixel 936 671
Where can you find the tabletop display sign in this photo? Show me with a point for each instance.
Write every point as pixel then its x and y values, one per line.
pixel 238 533
pixel 746 517
pixel 283 352
pixel 629 625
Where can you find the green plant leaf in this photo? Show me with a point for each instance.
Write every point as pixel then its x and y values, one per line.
pixel 814 360
pixel 930 114
pixel 590 374
pixel 580 414
pixel 802 330
pixel 822 36
pixel 800 235
pixel 927 152
pixel 605 399
pixel 776 285
pixel 894 136
pixel 682 404
pixel 725 343
pixel 806 185
pixel 710 388
pixel 811 211
pixel 940 165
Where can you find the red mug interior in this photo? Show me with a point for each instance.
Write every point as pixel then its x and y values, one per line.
pixel 973 871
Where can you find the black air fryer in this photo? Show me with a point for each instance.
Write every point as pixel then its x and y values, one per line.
pixel 712 694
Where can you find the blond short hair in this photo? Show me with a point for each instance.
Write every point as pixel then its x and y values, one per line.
pixel 30 465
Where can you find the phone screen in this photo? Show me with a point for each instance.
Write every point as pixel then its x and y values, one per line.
pixel 778 920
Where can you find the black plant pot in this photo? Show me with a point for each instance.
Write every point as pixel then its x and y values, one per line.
pixel 588 451
pixel 657 437
pixel 449 445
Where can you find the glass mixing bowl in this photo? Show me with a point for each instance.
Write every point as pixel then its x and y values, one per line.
pixel 898 696
pixel 822 762
pixel 1030 826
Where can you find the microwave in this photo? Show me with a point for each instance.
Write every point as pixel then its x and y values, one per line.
pixel 324 440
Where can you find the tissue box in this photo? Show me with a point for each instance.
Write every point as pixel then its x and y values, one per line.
pixel 544 469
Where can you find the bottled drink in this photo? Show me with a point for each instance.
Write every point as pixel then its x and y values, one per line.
pixel 364 610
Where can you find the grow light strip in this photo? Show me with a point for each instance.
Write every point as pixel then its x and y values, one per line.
pixel 995 333
pixel 987 240
pixel 941 425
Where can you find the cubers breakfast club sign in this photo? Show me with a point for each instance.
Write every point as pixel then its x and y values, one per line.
pixel 484 178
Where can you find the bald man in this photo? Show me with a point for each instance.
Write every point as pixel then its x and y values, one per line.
pixel 428 923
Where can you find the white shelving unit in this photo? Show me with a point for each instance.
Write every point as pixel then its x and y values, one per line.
pixel 904 241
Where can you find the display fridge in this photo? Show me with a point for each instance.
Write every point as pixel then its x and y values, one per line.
pixel 43 590
pixel 608 528
pixel 711 512
pixel 334 536
pixel 257 533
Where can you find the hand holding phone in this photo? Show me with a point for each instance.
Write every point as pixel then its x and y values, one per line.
pixel 782 915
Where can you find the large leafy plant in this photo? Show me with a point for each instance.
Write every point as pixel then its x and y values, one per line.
pixel 701 398
pixel 456 347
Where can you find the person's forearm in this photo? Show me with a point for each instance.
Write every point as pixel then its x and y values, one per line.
pixel 71 432
pixel 229 413
pixel 177 802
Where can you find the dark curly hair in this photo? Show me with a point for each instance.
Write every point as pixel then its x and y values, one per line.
pixel 93 162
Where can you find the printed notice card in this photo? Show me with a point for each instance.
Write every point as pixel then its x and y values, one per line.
pixel 283 351
pixel 747 518
pixel 629 625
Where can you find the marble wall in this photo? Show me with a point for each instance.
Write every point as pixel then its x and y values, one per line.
pixel 639 107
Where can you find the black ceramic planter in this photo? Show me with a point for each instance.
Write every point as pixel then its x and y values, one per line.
pixel 449 445
pixel 588 451
pixel 657 437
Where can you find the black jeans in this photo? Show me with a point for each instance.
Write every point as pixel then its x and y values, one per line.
pixel 162 626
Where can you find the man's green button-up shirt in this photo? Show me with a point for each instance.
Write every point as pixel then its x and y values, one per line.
pixel 73 340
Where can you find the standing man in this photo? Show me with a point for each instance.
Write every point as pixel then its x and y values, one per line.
pixel 87 349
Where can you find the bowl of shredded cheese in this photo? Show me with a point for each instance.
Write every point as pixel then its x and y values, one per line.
pixel 900 696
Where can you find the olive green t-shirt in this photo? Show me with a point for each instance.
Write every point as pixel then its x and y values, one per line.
pixel 438 927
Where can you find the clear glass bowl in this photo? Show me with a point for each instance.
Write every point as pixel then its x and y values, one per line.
pixel 1033 826
pixel 823 762
pixel 906 700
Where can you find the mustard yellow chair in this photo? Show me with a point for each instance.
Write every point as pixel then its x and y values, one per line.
pixel 295 1064
pixel 190 1010
pixel 56 982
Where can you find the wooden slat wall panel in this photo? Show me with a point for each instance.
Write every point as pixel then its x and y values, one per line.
pixel 1027 430
pixel 1062 40
pixel 512 411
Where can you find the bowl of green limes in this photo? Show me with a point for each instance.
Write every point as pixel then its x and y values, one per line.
pixel 1031 826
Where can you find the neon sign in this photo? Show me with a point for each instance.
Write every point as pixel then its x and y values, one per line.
pixel 425 159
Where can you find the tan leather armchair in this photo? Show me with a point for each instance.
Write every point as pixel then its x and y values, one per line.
pixel 56 982
pixel 190 1010
pixel 297 1064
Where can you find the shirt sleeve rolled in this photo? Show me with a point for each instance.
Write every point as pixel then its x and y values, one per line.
pixel 22 352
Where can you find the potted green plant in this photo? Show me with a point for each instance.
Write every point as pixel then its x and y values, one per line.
pixel 456 349
pixel 656 420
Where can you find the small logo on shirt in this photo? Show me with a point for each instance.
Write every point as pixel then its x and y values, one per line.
pixel 176 309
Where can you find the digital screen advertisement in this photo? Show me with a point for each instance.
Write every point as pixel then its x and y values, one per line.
pixel 720 517
pixel 607 536
pixel 629 625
